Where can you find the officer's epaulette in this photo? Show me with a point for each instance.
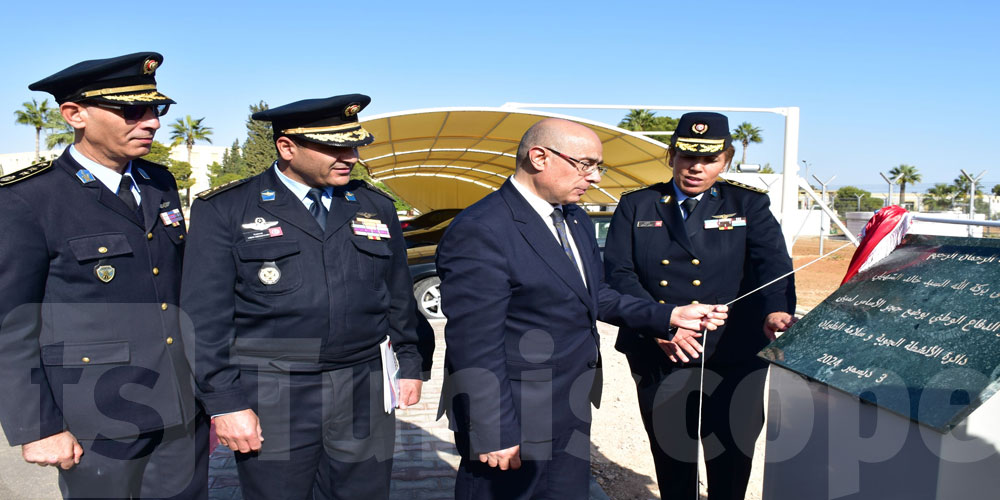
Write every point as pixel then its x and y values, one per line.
pixel 744 186
pixel 24 173
pixel 379 191
pixel 208 193
pixel 640 188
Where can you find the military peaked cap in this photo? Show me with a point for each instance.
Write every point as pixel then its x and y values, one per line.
pixel 128 79
pixel 332 121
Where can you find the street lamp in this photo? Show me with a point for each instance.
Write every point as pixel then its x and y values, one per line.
pixel 888 196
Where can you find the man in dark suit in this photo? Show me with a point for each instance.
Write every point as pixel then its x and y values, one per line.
pixel 296 279
pixel 522 289
pixel 701 239
pixel 91 359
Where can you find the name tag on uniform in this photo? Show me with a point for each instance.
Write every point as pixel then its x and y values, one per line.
pixel 725 224
pixel 172 218
pixel 373 229
pixel 649 223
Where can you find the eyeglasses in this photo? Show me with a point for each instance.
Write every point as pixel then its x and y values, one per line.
pixel 135 112
pixel 586 167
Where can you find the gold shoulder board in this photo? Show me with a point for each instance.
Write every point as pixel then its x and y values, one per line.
pixel 745 186
pixel 204 195
pixel 24 173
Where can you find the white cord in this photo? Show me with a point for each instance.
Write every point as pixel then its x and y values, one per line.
pixel 704 342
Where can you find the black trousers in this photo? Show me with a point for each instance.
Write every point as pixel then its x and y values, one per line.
pixel 732 418
pixel 156 465
pixel 326 436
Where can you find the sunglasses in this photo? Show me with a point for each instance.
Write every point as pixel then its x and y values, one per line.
pixel 135 112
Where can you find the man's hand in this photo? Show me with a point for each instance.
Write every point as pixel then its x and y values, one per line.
pixel 684 341
pixel 778 322
pixel 699 317
pixel 509 458
pixel 240 431
pixel 58 449
pixel 409 392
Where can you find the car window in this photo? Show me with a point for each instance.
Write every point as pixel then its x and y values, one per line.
pixel 601 225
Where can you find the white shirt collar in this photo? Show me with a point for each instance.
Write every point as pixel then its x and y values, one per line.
pixel 108 176
pixel 536 202
pixel 301 190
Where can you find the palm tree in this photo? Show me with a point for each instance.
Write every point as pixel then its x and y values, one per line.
pixel 36 115
pixel 903 175
pixel 747 133
pixel 638 120
pixel 942 195
pixel 187 131
pixel 58 132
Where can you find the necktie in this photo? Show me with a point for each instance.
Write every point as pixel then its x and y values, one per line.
pixel 125 194
pixel 560 222
pixel 317 209
pixel 689 204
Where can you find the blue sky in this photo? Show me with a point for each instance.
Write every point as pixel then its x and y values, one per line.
pixel 878 83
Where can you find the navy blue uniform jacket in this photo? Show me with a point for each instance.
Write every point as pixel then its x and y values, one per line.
pixel 652 252
pixel 338 295
pixel 522 342
pixel 101 359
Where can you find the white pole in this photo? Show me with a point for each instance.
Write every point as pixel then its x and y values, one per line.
pixel 790 174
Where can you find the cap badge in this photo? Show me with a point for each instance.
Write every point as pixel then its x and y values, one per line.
pixel 699 128
pixel 149 67
pixel 352 109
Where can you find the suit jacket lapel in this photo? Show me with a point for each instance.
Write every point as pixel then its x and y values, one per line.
pixel 671 215
pixel 708 205
pixel 104 196
pixel 582 232
pixel 341 211
pixel 287 207
pixel 152 197
pixel 542 242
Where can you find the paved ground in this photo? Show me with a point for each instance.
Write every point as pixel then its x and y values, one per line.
pixel 424 463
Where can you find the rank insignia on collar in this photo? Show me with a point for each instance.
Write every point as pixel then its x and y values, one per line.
pixel 714 192
pixel 259 224
pixel 104 272
pixel 665 199
pixel 85 176
pixel 143 173
pixel 269 273
pixel 349 196
pixel 373 229
pixel 267 195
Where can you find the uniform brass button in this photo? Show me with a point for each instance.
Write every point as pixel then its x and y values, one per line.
pixel 85 359
pixel 156 271
pixel 695 302
pixel 102 250
pixel 149 236
pixel 695 261
pixel 163 306
pixel 662 301
pixel 663 283
pixel 665 262
pixel 170 340
pixel 696 282
pixel 180 237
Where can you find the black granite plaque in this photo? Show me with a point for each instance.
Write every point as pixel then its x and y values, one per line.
pixel 918 334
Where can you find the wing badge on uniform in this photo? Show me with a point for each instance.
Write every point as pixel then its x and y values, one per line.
pixel 259 224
